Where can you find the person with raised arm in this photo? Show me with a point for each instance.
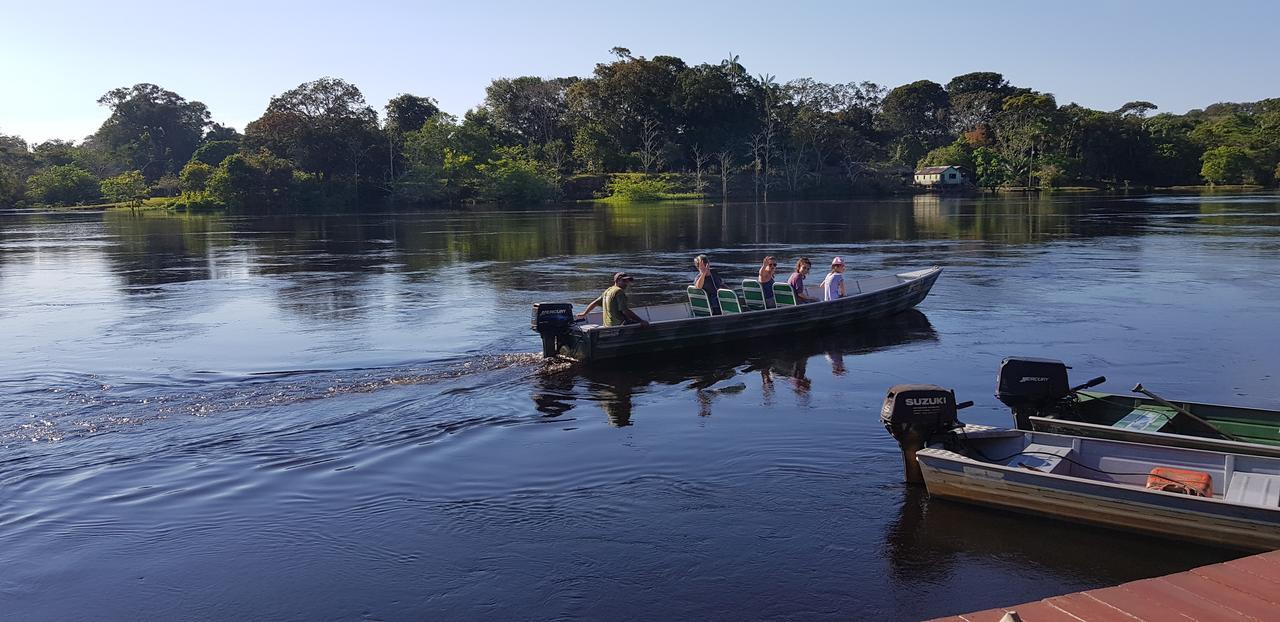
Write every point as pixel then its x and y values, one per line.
pixel 708 281
pixel 767 270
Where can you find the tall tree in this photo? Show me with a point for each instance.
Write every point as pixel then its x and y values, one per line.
pixel 1137 108
pixel 129 188
pixel 154 129
pixel 917 114
pixel 621 96
pixel 1175 158
pixel 1225 165
pixel 649 149
pixel 220 132
pixel 62 185
pixel 1024 124
pixel 978 81
pixel 407 113
pixel 324 126
pixel 724 168
pixel 976 99
pixel 715 105
pixel 16 164
pixel 531 108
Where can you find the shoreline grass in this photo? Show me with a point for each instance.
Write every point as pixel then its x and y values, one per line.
pixel 152 203
pixel 1215 188
pixel 661 197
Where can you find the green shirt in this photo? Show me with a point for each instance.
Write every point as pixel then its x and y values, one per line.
pixel 614 303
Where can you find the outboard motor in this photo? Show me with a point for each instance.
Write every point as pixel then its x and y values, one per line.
pixel 1031 386
pixel 552 321
pixel 914 414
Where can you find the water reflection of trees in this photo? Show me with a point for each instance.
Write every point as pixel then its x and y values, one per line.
pixel 155 248
pixel 1224 216
pixel 711 375
pixel 1020 219
pixel 150 245
pixel 150 248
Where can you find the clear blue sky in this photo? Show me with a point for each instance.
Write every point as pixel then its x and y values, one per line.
pixel 58 57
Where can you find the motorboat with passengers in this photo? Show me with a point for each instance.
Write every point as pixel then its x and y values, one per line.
pixel 683 325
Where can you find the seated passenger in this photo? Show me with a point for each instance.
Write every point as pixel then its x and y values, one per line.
pixel 708 281
pixel 833 285
pixel 797 280
pixel 614 302
pixel 766 280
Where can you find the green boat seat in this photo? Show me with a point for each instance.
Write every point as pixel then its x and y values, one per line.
pixel 1147 419
pixel 753 292
pixel 784 295
pixel 699 304
pixel 728 301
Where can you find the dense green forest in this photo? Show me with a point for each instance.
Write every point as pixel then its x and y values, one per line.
pixel 637 128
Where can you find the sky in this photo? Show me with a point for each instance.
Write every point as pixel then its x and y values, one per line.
pixel 58 57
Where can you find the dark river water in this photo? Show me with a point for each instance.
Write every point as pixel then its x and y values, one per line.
pixel 343 417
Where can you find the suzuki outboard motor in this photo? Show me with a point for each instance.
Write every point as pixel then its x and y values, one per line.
pixel 552 321
pixel 1031 386
pixel 914 414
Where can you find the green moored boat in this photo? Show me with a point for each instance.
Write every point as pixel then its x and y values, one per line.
pixel 1038 393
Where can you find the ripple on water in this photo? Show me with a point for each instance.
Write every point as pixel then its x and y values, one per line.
pixel 250 444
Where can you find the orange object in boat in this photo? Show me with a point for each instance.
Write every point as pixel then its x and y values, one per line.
pixel 1185 481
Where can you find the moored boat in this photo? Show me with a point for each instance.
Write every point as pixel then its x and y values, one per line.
pixel 1210 497
pixel 1037 391
pixel 674 327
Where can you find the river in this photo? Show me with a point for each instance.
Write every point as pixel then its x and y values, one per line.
pixel 344 417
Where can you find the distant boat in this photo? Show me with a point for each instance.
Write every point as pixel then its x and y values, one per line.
pixel 1104 482
pixel 674 327
pixel 1037 391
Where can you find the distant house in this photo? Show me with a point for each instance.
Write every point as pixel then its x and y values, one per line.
pixel 941 176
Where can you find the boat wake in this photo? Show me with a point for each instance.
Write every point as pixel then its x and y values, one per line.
pixel 57 407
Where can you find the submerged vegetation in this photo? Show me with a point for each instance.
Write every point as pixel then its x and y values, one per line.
pixel 646 128
pixel 639 187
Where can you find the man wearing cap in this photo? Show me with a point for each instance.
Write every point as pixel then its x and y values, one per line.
pixel 614 302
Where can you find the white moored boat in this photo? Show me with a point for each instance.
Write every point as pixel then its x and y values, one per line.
pixel 1211 497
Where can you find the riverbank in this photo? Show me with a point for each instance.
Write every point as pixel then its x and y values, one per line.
pixel 1213 188
pixel 150 204
pixel 593 189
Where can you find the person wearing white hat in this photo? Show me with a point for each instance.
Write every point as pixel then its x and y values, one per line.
pixel 833 285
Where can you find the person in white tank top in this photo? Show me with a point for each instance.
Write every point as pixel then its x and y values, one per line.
pixel 833 285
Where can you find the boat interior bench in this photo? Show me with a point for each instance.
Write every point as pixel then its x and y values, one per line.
pixel 1254 489
pixel 1042 458
pixel 1147 419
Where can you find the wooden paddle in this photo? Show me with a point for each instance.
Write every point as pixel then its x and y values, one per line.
pixel 1138 388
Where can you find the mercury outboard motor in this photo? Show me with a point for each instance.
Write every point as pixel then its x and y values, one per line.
pixel 914 414
pixel 552 321
pixel 1035 387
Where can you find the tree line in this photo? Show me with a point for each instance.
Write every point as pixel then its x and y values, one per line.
pixel 638 127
